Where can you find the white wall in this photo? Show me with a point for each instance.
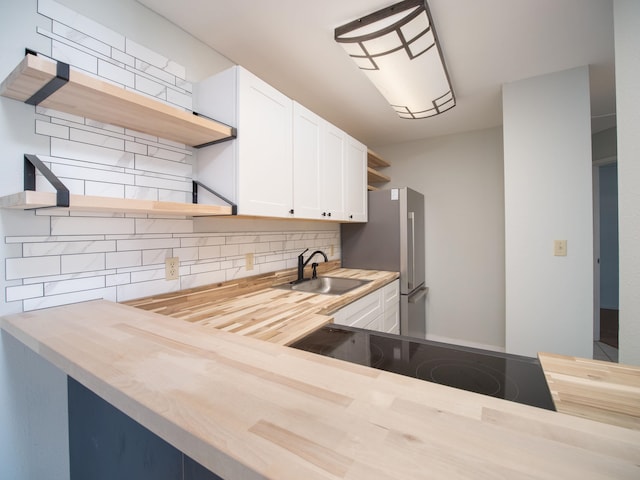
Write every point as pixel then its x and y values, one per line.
pixel 627 39
pixel 461 177
pixel 548 196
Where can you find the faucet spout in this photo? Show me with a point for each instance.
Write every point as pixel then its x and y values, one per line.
pixel 302 263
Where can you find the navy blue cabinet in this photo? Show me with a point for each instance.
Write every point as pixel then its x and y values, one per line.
pixel 106 444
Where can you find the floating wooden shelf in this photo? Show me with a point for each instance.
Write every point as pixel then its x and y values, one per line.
pixel 375 161
pixel 374 176
pixel 27 200
pixel 90 97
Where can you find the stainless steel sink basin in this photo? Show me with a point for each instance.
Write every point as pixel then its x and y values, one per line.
pixel 325 285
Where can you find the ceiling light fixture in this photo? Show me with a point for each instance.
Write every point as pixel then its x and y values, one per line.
pixel 397 47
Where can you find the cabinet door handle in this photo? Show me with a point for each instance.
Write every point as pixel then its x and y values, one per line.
pixel 324 214
pixel 350 216
pixel 329 214
pixel 291 211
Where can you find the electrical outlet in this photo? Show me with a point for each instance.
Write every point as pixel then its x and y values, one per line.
pixel 331 251
pixel 560 248
pixel 172 268
pixel 248 261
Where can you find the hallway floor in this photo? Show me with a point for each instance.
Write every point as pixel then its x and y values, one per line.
pixel 602 351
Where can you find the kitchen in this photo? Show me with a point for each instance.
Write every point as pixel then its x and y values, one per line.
pixel 297 236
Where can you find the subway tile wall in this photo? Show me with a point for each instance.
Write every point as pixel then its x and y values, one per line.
pixel 121 256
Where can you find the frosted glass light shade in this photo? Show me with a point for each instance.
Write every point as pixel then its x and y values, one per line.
pixel 397 48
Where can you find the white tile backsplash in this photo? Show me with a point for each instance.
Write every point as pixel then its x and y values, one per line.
pixel 166 167
pixel 156 72
pixel 91 153
pixel 65 15
pixel 146 55
pixel 69 247
pixel 122 57
pixel 91 225
pixel 88 262
pixel 78 59
pixel 81 38
pixel 157 225
pixel 181 99
pixel 150 87
pixel 65 299
pixel 51 129
pixel 102 189
pixel 97 139
pixel 132 258
pixel 32 267
pixel 116 73
pixel 75 285
pixel 23 292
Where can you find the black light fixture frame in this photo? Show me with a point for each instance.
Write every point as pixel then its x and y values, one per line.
pixel 387 12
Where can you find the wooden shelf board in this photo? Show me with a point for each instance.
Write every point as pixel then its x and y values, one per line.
pixel 371 188
pixel 90 97
pixel 375 160
pixel 373 176
pixel 30 200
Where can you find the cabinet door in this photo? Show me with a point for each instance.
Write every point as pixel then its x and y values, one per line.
pixel 265 154
pixel 391 316
pixel 356 181
pixel 365 312
pixel 333 179
pixel 308 158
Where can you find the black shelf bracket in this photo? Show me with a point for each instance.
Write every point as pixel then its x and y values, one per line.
pixel 234 132
pixel 196 184
pixel 31 163
pixel 57 82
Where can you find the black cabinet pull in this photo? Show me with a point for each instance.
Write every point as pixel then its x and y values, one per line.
pixel 329 214
pixel 291 211
pixel 324 214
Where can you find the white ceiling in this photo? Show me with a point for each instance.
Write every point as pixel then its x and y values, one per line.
pixel 486 43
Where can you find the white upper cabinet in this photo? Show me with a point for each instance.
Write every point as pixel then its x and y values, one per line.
pixel 286 161
pixel 356 181
pixel 308 156
pixel 333 174
pixel 256 170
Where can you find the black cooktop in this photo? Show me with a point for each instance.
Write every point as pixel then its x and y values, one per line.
pixel 511 377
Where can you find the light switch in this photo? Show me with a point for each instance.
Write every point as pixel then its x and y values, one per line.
pixel 560 248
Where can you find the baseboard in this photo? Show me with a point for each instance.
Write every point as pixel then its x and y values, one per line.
pixel 463 343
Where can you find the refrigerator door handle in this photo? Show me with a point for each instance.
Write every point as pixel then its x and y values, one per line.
pixel 418 294
pixel 412 250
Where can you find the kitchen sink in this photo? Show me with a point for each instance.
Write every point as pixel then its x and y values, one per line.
pixel 325 285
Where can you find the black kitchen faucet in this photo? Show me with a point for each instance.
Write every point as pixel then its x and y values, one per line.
pixel 302 264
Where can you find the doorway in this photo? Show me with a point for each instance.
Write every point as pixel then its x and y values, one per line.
pixel 606 263
pixel 608 198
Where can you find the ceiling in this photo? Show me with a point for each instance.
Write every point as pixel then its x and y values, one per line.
pixel 485 43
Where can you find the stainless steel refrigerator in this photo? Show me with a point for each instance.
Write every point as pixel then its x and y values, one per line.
pixel 393 240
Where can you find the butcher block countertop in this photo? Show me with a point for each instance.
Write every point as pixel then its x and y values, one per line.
pixel 249 409
pixel 250 307
pixel 603 391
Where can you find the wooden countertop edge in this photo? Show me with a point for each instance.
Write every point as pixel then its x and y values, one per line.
pixel 603 391
pixel 291 406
